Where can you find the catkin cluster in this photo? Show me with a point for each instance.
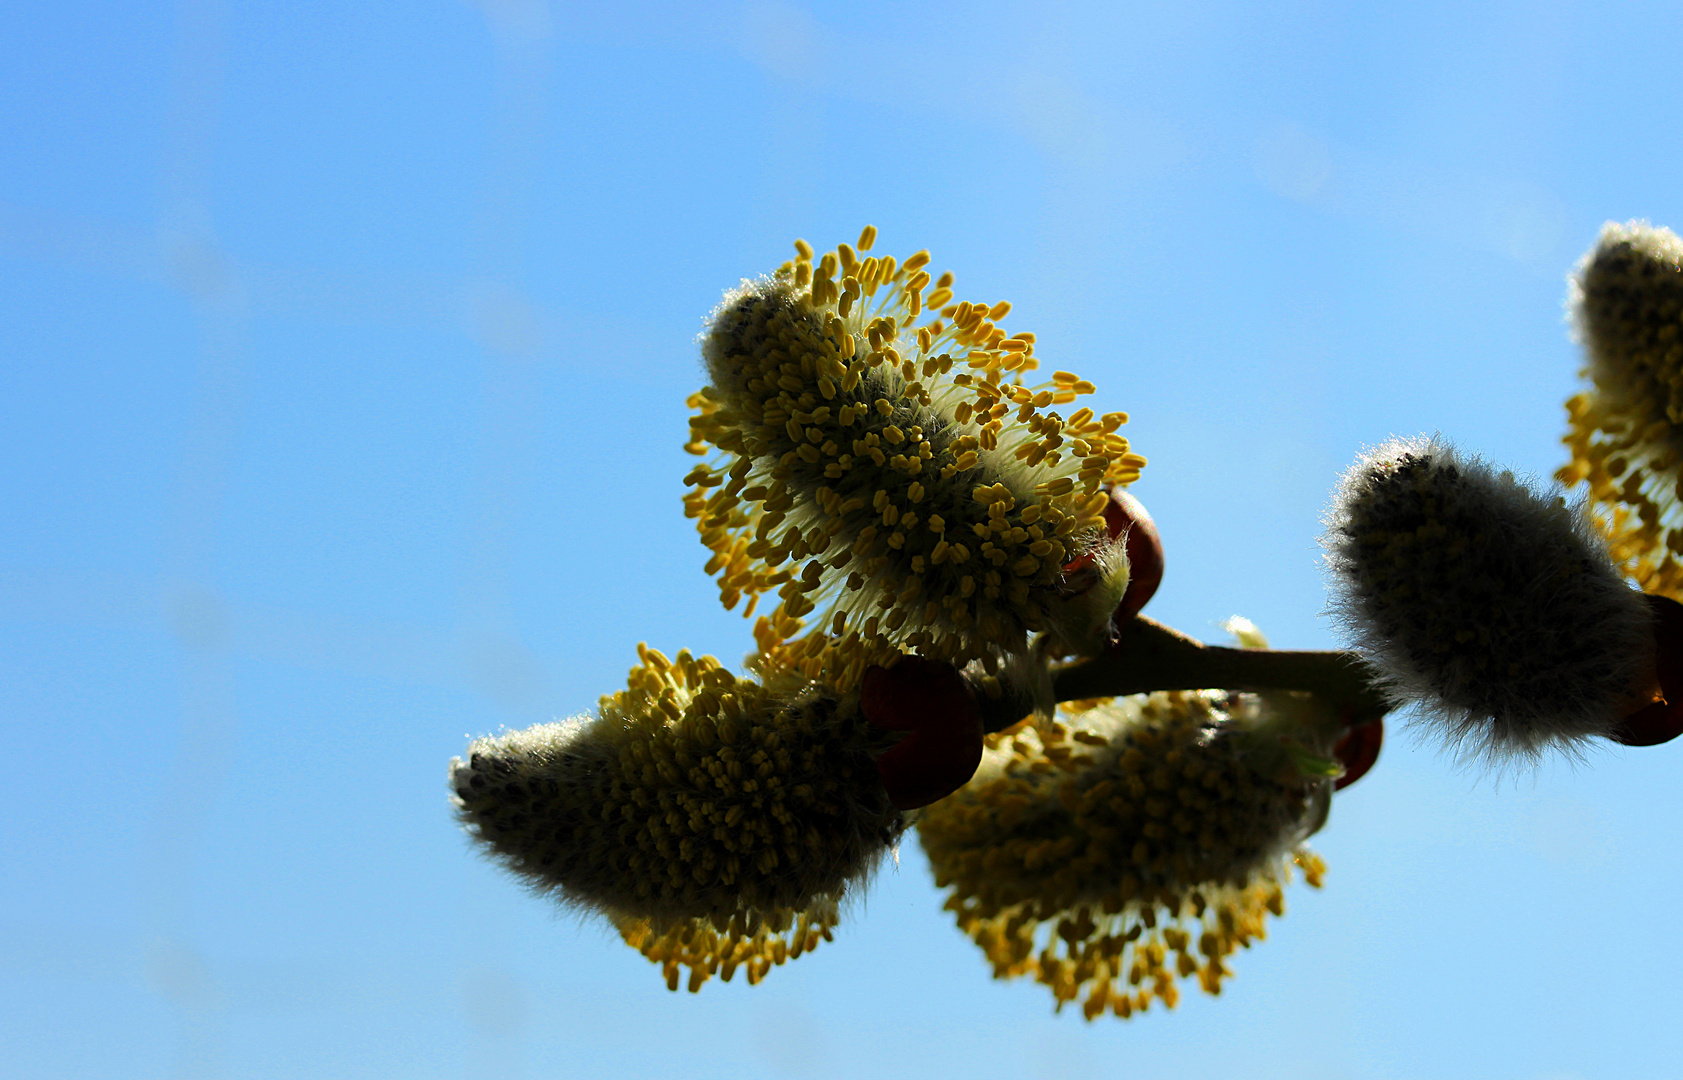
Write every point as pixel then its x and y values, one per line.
pixel 898 483
pixel 1115 852
pixel 707 815
pixel 1494 609
pixel 878 458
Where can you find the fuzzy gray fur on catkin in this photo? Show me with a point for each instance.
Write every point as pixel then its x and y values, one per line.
pixel 1493 609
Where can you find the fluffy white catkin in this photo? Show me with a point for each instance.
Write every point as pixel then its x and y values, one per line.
pixel 1494 609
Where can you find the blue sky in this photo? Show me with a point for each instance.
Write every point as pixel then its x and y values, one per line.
pixel 341 401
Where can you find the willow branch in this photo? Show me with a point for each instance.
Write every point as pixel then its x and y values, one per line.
pixel 1149 656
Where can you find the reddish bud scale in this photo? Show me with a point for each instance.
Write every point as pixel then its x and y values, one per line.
pixel 1357 749
pixel 1662 721
pixel 932 701
pixel 1127 516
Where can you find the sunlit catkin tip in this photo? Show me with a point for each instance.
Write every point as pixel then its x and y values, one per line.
pixel 1628 302
pixel 706 815
pixel 1139 844
pixel 1625 430
pixel 885 463
pixel 1496 610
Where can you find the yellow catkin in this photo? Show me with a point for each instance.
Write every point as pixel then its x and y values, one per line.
pixel 1625 431
pixel 879 460
pixel 1135 846
pixel 714 820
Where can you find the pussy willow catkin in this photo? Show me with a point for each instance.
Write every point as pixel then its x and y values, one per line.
pixel 1114 852
pixel 717 821
pixel 878 459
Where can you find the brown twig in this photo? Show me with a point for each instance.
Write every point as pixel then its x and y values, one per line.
pixel 1148 656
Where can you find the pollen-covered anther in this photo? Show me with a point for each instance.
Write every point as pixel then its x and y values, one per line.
pixel 715 820
pixel 839 408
